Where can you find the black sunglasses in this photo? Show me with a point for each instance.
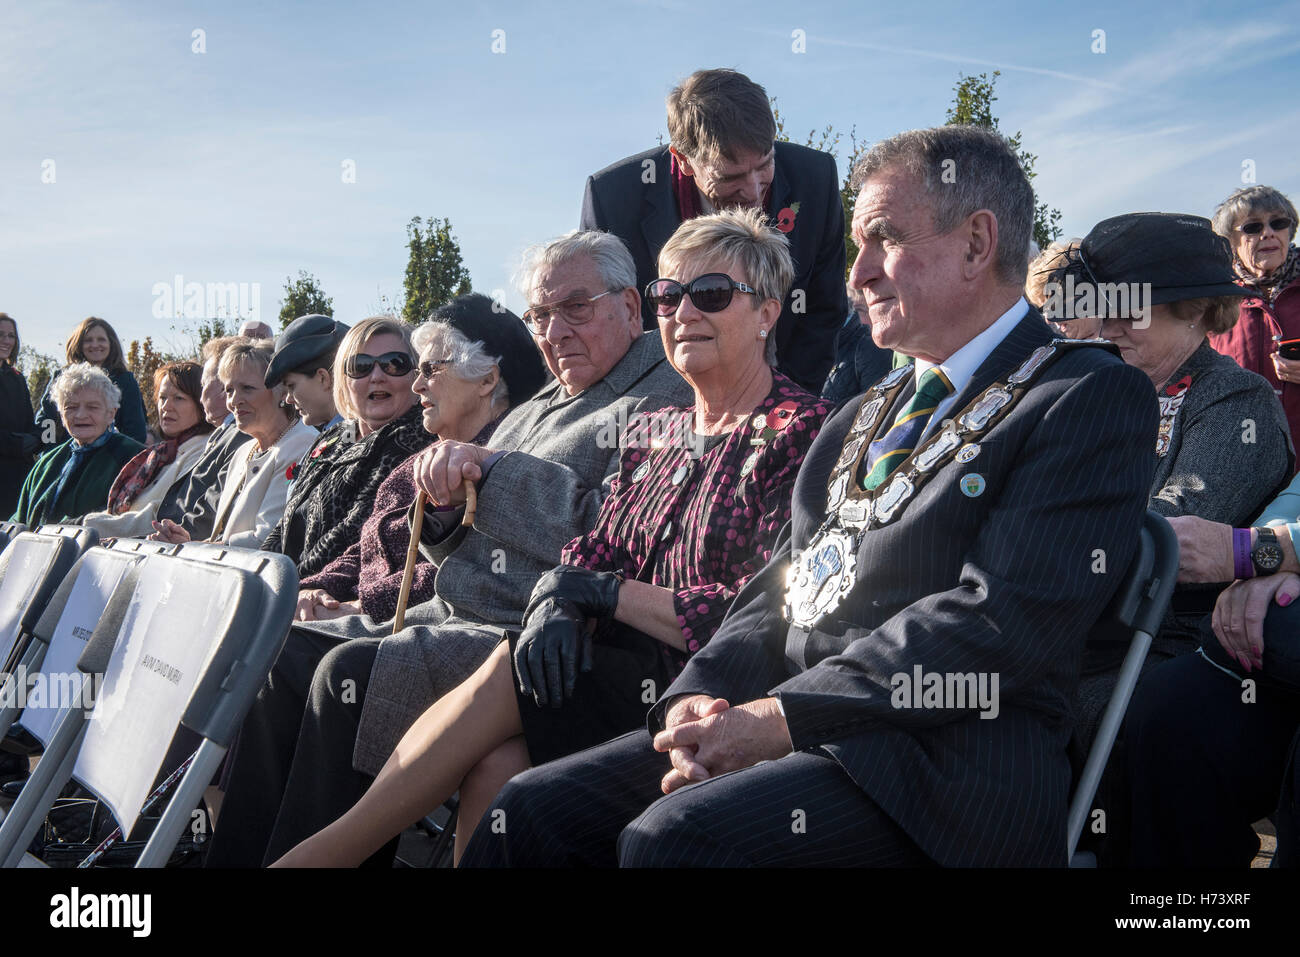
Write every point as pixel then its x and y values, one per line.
pixel 394 363
pixel 431 367
pixel 711 292
pixel 1279 225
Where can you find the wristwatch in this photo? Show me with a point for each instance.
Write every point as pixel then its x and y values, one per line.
pixel 1266 556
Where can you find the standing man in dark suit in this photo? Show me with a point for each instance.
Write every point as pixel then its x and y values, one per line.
pixel 722 153
pixel 895 686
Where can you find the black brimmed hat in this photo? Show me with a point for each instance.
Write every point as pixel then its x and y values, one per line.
pixel 306 340
pixel 1178 254
pixel 502 333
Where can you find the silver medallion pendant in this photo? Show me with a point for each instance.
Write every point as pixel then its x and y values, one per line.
pixel 935 450
pixel 849 454
pixel 988 405
pixel 838 490
pixel 892 496
pixel 967 452
pixel 868 414
pixel 1031 365
pixel 818 583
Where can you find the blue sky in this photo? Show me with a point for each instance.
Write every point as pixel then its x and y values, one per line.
pixel 227 166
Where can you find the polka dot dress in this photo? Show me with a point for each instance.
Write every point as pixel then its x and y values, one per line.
pixel 702 526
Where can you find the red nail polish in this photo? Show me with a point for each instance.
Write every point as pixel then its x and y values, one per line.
pixel 1284 600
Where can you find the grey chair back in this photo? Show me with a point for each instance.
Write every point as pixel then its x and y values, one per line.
pixel 1138 606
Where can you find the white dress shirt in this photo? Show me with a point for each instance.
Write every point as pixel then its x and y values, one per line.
pixel 960 367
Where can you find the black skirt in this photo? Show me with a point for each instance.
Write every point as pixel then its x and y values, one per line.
pixel 630 672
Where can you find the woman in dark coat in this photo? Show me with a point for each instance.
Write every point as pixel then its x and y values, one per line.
pixel 74 477
pixel 94 341
pixel 18 437
pixel 1260 225
pixel 693 513
pixel 476 364
pixel 333 489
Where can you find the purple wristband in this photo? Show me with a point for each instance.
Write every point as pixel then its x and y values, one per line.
pixel 1242 566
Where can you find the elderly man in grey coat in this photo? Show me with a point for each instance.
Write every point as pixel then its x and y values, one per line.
pixel 343 692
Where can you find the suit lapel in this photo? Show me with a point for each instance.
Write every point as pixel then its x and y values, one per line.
pixel 659 216
pixel 779 192
pixel 1029 333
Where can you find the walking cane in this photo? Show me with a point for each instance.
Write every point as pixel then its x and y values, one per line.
pixel 413 549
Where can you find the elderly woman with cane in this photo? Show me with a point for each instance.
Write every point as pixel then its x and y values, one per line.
pixel 694 511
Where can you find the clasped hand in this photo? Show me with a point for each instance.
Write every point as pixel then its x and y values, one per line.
pixel 705 737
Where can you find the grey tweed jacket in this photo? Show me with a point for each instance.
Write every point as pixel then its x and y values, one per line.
pixel 546 490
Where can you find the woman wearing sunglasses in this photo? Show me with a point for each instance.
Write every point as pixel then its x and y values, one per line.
pixel 476 363
pixel 332 490
pixel 694 511
pixel 1260 224
pixel 254 489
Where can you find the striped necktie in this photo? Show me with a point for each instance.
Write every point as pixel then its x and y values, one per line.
pixel 888 452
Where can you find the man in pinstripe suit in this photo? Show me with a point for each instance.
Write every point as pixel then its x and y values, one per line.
pixel 795 737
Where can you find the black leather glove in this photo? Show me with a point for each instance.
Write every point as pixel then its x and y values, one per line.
pixel 594 594
pixel 553 646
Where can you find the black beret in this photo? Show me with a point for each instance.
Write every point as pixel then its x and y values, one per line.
pixel 305 340
pixel 1180 255
pixel 503 334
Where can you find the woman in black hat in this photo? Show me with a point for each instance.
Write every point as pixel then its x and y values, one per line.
pixel 476 363
pixel 1161 283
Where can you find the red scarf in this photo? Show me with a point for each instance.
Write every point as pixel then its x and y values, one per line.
pixel 139 473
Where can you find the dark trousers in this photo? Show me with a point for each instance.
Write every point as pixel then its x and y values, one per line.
pixel 603 806
pixel 1202 764
pixel 263 763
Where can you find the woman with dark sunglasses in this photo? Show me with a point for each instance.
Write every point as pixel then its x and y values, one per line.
pixel 332 489
pixel 694 511
pixel 1260 224
pixel 476 364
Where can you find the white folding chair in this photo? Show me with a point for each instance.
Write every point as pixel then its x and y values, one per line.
pixel 183 640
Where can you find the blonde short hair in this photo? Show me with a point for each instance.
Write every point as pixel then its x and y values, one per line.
pixel 351 346
pixel 743 240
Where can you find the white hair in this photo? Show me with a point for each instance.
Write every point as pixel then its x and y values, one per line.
pixel 470 359
pixel 84 375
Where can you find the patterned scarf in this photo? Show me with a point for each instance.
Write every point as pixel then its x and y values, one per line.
pixel 79 455
pixel 1269 286
pixel 139 473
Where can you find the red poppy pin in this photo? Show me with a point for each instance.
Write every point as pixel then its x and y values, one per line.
pixel 291 472
pixel 1180 386
pixel 785 218
pixel 782 415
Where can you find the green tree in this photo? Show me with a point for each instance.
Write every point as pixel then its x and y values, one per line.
pixel 38 368
pixel 434 272
pixel 302 297
pixel 973 104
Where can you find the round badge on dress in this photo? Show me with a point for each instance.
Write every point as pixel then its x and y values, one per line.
pixel 760 422
pixel 967 452
pixel 679 476
pixel 641 471
pixel 972 484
